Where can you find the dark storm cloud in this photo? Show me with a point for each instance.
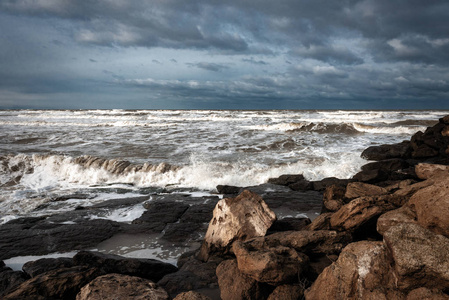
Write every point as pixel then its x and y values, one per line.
pixel 351 50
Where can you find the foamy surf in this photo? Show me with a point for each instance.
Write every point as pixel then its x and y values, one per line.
pixel 102 153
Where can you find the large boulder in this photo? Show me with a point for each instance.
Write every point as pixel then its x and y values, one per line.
pixel 421 257
pixel 146 268
pixel 239 218
pixel 121 287
pixel 431 205
pixel 361 272
pixel 62 283
pixel 273 265
pixel 236 286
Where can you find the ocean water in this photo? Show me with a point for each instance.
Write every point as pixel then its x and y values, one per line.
pixel 106 154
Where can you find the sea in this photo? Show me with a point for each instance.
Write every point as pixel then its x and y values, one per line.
pixel 107 154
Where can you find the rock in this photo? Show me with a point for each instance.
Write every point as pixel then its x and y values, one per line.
pixel 287 224
pixel 242 217
pixel 389 165
pixel 383 152
pixel 333 198
pixel 228 189
pixel 62 283
pixel 426 294
pixel 235 286
pixel 322 222
pixel 431 205
pixel 146 268
pixel 182 233
pixel 34 268
pixel 311 243
pixel 295 182
pixel 444 120
pixel 321 185
pixel 191 295
pixel 426 171
pixel 37 236
pixel 362 211
pixel 288 203
pixel 421 257
pixel 424 151
pixel 360 189
pixel 192 275
pixel 372 176
pixel 273 265
pixel 392 218
pixel 361 272
pixel 121 287
pixel 287 292
pixel 409 190
pixel 9 279
pixel 161 212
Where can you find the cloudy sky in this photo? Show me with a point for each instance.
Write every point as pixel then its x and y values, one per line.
pixel 301 54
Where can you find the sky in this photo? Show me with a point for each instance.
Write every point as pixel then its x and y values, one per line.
pixel 242 54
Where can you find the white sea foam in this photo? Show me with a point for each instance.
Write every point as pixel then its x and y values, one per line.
pixel 194 149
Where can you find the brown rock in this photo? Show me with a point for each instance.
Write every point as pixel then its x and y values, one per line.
pixel 308 242
pixel 121 287
pixel 426 294
pixel 431 205
pixel 273 265
pixel 56 284
pixel 426 171
pixel 401 215
pixel 360 211
pixel 239 218
pixel 191 295
pixel 360 189
pixel 322 222
pixel 334 197
pixel 361 272
pixel 421 257
pixel 235 286
pixel 408 191
pixel 287 292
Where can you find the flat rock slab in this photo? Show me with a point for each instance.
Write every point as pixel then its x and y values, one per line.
pixel 38 236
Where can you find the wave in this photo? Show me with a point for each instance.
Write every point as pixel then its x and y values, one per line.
pixel 341 128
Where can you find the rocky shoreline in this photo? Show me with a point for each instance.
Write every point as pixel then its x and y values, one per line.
pixel 384 234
